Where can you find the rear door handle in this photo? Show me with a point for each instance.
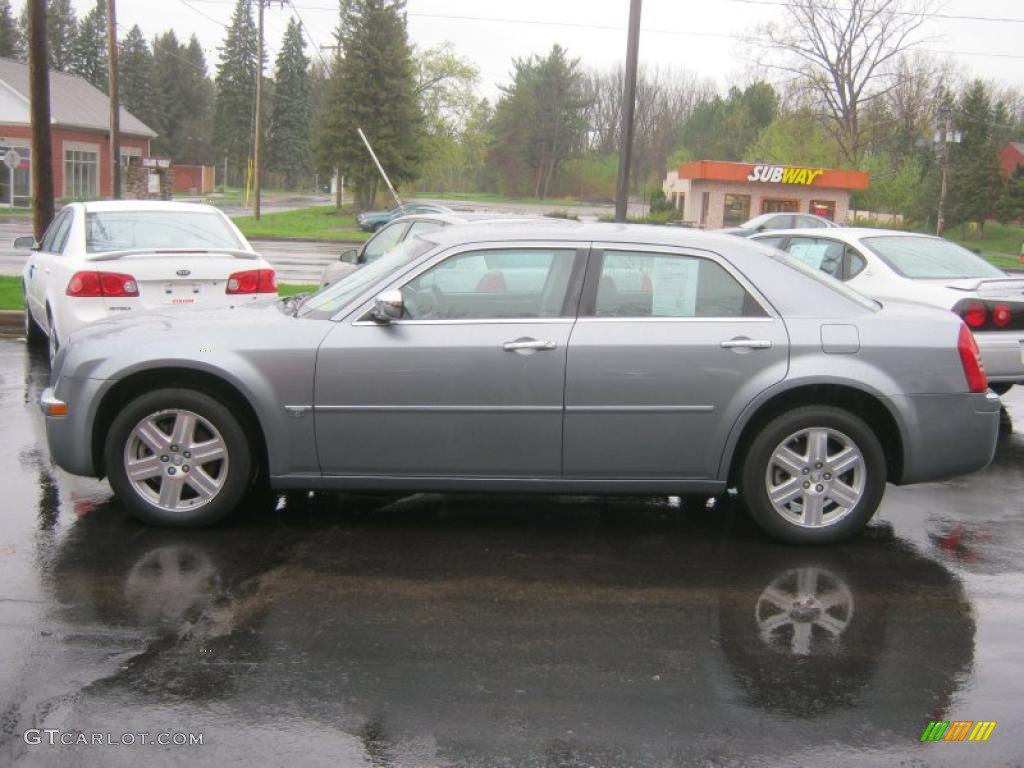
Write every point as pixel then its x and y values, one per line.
pixel 746 344
pixel 527 345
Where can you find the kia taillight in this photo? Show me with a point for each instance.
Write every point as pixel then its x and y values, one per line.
pixel 102 284
pixel 252 281
pixel 991 315
pixel 970 358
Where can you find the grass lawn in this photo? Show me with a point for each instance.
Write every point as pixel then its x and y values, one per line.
pixel 10 291
pixel 997 239
pixel 317 223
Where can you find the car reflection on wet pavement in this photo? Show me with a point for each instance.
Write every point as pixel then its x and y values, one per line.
pixel 446 630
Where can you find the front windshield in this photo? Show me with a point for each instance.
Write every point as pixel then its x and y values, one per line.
pixel 335 296
pixel 128 230
pixel 925 258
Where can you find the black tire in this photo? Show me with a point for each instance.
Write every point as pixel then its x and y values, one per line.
pixel 239 468
pixel 33 333
pixel 756 464
pixel 1001 387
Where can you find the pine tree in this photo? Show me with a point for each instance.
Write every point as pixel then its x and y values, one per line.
pixel 61 31
pixel 89 48
pixel 288 134
pixel 974 180
pixel 236 92
pixel 372 87
pixel 12 45
pixel 136 77
pixel 193 141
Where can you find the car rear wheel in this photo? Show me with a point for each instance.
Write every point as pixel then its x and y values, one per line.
pixel 814 475
pixel 177 457
pixel 33 333
pixel 1000 388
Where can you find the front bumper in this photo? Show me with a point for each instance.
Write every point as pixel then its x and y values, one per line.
pixel 947 435
pixel 1002 354
pixel 70 435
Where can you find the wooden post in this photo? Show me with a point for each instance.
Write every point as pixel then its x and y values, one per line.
pixel 257 150
pixel 115 104
pixel 39 86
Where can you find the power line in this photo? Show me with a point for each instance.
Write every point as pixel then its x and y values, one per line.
pixel 309 36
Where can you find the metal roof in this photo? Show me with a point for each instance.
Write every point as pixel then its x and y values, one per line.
pixel 74 101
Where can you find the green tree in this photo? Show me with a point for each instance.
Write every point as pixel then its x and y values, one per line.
pixel 89 48
pixel 288 149
pixel 61 31
pixel 974 180
pixel 234 111
pixel 723 129
pixel 372 87
pixel 136 78
pixel 12 44
pixel 540 121
pixel 795 137
pixel 1010 203
pixel 193 140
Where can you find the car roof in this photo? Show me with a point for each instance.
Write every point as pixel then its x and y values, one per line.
pixel 462 217
pixel 97 206
pixel 544 228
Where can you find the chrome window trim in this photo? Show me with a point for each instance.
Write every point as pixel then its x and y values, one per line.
pixel 710 319
pixel 482 321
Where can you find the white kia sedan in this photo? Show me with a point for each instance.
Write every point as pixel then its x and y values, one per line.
pixel 907 266
pixel 118 257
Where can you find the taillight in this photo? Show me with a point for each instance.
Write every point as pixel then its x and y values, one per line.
pixel 1001 315
pixel 981 315
pixel 974 313
pixel 970 358
pixel 102 284
pixel 253 281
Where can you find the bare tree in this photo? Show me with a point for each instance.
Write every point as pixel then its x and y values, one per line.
pixel 844 53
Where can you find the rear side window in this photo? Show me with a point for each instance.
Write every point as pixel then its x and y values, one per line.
pixel 642 285
pixel 818 253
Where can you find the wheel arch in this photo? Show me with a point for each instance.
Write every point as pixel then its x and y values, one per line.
pixel 865 405
pixel 190 378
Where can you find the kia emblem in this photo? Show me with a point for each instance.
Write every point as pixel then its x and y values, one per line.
pixel 184 272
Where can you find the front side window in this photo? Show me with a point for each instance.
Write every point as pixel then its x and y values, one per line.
pixel 492 284
pixel 818 253
pixel 383 242
pixel 56 233
pixel 637 284
pixel 81 173
pixel 127 230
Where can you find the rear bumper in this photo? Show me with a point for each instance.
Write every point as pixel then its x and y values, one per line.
pixel 947 435
pixel 1003 355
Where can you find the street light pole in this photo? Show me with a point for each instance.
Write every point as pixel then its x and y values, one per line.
pixel 628 109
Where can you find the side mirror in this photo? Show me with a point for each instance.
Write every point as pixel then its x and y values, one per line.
pixel 387 306
pixel 349 255
pixel 27 241
pixel 760 229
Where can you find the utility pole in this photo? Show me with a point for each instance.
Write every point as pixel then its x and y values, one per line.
pixel 39 87
pixel 258 149
pixel 628 108
pixel 115 104
pixel 944 137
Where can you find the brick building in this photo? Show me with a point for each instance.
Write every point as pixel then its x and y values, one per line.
pixel 79 115
pixel 714 194
pixel 1011 157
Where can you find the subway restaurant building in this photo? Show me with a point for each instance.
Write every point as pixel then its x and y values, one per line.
pixel 713 194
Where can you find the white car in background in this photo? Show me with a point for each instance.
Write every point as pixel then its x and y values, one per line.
pixel 117 257
pixel 907 266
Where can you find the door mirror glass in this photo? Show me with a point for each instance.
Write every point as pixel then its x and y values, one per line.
pixel 387 306
pixel 349 255
pixel 25 242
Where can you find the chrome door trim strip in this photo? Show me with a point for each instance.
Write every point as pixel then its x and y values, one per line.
pixel 441 408
pixel 640 408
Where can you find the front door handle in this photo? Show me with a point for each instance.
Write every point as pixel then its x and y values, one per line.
pixel 746 344
pixel 527 345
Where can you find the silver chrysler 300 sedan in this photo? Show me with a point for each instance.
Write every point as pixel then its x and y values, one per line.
pixel 535 356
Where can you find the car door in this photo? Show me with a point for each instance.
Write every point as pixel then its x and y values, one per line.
pixel 468 384
pixel 668 349
pixel 43 261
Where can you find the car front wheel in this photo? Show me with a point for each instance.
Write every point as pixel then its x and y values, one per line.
pixel 814 475
pixel 177 457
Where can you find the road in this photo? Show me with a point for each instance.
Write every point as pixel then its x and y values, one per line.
pixel 436 630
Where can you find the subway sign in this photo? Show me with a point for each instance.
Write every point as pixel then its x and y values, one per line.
pixel 782 174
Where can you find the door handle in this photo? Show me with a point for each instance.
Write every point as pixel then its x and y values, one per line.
pixel 746 344
pixel 526 344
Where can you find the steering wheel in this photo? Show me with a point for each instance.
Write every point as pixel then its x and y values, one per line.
pixel 425 304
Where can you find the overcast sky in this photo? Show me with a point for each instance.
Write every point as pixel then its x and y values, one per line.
pixel 698 35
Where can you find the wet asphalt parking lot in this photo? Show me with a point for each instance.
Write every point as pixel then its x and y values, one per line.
pixel 437 630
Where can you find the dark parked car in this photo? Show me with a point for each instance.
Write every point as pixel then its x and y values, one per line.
pixel 371 221
pixel 556 357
